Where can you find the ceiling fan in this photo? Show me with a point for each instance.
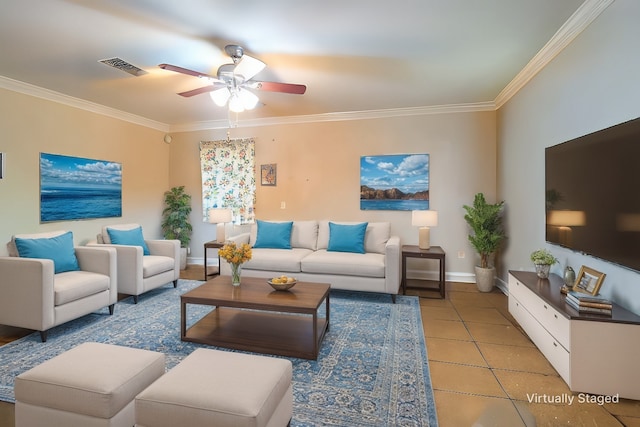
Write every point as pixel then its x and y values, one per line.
pixel 234 82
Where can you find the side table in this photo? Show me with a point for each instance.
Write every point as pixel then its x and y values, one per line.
pixel 434 252
pixel 211 245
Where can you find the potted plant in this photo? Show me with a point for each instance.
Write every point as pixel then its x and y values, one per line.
pixel 487 234
pixel 543 259
pixel 175 220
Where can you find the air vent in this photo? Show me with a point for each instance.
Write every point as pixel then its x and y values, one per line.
pixel 123 65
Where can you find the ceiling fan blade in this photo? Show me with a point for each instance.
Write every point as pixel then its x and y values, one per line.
pixel 186 71
pixel 281 87
pixel 248 67
pixel 203 89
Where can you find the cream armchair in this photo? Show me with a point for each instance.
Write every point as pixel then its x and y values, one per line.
pixel 33 295
pixel 139 272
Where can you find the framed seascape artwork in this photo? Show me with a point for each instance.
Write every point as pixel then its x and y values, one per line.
pixel 394 182
pixel 77 188
pixel 268 174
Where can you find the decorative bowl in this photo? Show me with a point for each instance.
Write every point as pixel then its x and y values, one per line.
pixel 282 286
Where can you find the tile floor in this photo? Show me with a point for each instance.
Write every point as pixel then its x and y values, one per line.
pixel 482 367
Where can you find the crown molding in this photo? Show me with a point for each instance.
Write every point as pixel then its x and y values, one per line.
pixel 50 95
pixel 581 18
pixel 335 117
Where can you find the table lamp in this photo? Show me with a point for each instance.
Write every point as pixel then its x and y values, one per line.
pixel 220 217
pixel 424 220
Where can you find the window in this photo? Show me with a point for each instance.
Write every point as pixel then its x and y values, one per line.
pixel 228 177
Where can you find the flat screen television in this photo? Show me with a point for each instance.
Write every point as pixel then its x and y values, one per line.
pixel 592 189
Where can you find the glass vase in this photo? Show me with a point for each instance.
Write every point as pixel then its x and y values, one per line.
pixel 542 270
pixel 236 270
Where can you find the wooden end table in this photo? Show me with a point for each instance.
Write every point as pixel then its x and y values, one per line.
pixel 434 252
pixel 211 245
pixel 255 317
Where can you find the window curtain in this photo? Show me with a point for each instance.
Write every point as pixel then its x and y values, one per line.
pixel 228 177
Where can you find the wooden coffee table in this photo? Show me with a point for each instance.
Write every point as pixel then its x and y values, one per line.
pixel 254 317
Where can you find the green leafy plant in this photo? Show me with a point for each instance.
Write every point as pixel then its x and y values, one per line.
pixel 175 216
pixel 485 220
pixel 543 257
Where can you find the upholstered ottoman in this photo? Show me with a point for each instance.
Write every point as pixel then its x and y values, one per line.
pixel 219 388
pixel 91 385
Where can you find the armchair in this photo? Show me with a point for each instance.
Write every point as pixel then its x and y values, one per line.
pixel 143 264
pixel 36 294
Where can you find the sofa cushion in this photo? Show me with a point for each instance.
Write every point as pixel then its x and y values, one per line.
pixel 274 235
pixel 74 285
pixel 156 264
pixel 344 263
pixel 131 237
pixel 346 238
pixel 375 238
pixel 277 260
pixel 304 234
pixel 58 248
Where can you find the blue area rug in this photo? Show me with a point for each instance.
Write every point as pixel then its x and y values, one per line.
pixel 372 369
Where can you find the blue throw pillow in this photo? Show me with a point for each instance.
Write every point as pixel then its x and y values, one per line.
pixel 347 238
pixel 131 237
pixel 274 235
pixel 59 249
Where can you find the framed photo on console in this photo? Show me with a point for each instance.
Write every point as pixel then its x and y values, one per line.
pixel 588 281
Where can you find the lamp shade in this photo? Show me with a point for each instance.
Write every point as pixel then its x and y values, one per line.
pixel 567 218
pixel 219 215
pixel 424 218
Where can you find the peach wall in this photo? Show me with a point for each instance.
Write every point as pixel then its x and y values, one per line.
pixel 32 125
pixel 318 172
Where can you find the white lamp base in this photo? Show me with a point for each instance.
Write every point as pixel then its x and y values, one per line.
pixel 220 232
pixel 423 238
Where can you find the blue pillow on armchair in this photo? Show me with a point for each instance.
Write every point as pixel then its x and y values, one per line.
pixel 59 249
pixel 132 237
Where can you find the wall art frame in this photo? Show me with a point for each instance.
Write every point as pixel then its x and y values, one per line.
pixel 75 188
pixel 269 174
pixel 394 182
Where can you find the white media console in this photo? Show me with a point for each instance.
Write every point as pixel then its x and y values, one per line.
pixel 593 353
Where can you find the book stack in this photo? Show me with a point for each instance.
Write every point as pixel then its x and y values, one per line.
pixel 585 303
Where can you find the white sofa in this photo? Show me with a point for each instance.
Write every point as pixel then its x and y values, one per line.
pixel 310 258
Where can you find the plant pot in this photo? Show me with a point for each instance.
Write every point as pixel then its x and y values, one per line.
pixel 485 278
pixel 183 258
pixel 542 270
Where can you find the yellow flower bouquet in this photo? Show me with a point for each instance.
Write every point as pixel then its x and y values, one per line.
pixel 235 255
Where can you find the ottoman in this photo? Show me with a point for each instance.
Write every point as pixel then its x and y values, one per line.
pixel 91 385
pixel 219 388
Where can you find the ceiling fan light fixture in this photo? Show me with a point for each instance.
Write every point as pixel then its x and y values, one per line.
pixel 220 96
pixel 235 103
pixel 248 98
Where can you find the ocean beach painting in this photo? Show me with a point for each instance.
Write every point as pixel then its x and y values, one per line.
pixel 394 182
pixel 74 188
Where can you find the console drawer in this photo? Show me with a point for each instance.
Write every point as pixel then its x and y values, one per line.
pixel 554 322
pixel 556 354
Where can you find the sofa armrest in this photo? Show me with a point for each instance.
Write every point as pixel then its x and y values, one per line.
pixel 393 271
pixel 129 260
pixel 97 259
pixel 240 239
pixel 170 248
pixel 26 292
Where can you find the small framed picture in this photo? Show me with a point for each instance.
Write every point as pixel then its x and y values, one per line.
pixel 1 165
pixel 268 174
pixel 588 281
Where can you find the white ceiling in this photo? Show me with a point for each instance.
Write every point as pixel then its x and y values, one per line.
pixel 353 55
